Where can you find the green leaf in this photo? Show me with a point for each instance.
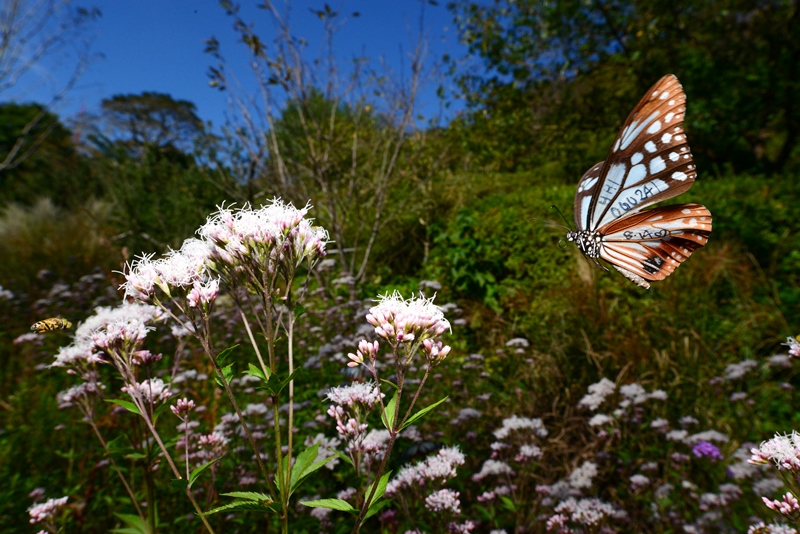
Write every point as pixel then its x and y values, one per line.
pixel 198 470
pixel 134 523
pixel 252 370
pixel 375 507
pixel 344 457
pixel 128 405
pixel 227 372
pixel 508 504
pixel 243 506
pixel 299 310
pixel 248 496
pixel 389 383
pixel 275 385
pixel 303 462
pixel 225 354
pixel 387 417
pixel 160 410
pixel 381 489
pixel 333 504
pixel 417 416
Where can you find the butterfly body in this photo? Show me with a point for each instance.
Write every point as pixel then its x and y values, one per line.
pixel 48 325
pixel 650 161
pixel 588 242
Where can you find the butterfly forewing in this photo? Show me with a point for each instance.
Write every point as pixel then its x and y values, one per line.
pixel 650 160
pixel 586 191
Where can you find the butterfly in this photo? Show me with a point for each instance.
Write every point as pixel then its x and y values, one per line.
pixel 53 323
pixel 650 161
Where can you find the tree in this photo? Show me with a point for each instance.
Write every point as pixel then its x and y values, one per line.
pixel 54 170
pixel 151 119
pixel 345 139
pixel 737 60
pixel 32 33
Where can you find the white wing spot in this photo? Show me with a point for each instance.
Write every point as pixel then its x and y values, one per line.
pixel 683 149
pixel 669 116
pixel 616 145
pixel 679 176
pixel 654 93
pixel 664 95
pixel 686 156
pixel 678 137
pixel 589 183
pixel 636 158
pixel 692 222
pixel 671 102
pixel 636 175
pixel 673 156
pixel 686 211
pixel 650 146
pixel 656 126
pixel 657 165
pixel 666 138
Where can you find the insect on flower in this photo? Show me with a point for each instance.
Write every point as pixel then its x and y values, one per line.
pixel 48 325
pixel 650 161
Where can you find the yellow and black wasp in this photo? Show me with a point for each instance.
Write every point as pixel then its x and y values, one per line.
pixel 48 325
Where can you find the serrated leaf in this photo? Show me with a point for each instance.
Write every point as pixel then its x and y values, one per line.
pixel 252 370
pixel 417 416
pixel 242 506
pixel 333 504
pixel 387 417
pixel 128 405
pixel 248 495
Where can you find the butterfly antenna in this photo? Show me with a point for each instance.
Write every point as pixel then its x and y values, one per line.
pixel 550 223
pixel 569 226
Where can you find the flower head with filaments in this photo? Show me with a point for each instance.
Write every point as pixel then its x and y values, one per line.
pixel 402 321
pixel 263 240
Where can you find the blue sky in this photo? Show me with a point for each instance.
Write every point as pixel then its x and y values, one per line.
pixel 157 45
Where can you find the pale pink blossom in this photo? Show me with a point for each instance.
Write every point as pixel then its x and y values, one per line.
pixel 444 500
pixel 402 321
pixel 47 511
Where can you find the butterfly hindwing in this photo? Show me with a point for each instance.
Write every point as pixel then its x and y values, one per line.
pixel 651 244
pixel 650 160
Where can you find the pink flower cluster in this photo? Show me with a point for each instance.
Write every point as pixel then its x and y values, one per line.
pixel 271 236
pixel 794 347
pixel 787 506
pixel 365 394
pixel 151 390
pixel 47 511
pixel 783 451
pixel 182 408
pixel 178 269
pixel 439 466
pixel 402 321
pixel 444 500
